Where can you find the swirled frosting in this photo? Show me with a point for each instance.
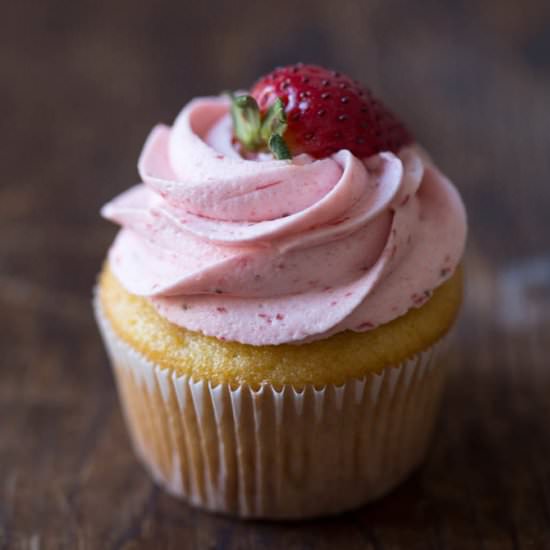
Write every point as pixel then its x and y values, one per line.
pixel 264 251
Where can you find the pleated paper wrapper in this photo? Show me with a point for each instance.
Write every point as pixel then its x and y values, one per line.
pixel 271 452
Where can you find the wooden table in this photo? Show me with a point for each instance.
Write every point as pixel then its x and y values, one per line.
pixel 83 82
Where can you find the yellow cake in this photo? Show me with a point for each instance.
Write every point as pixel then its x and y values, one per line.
pixel 335 360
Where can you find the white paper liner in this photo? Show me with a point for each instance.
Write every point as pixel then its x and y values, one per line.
pixel 277 453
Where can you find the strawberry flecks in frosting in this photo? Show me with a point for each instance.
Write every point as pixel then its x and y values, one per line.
pixel 267 252
pixel 228 188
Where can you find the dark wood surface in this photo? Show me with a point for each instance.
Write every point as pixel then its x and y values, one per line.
pixel 81 85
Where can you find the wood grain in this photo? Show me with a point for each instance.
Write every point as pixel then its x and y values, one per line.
pixel 83 82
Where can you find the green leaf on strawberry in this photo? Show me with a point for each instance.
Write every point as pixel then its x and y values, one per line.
pixel 256 131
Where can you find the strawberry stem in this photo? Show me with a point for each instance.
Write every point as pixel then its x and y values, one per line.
pixel 246 121
pixel 278 147
pixel 255 131
pixel 274 121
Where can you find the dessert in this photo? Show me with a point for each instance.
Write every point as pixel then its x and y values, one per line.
pixel 275 300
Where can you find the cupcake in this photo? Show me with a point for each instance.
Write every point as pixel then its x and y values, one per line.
pixel 275 301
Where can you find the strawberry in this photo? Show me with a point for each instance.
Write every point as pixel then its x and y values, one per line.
pixel 309 109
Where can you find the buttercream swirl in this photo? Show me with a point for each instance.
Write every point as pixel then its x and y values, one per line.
pixel 267 252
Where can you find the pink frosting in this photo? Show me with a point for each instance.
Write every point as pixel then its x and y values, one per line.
pixel 267 252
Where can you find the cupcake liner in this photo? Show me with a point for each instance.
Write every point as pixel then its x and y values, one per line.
pixel 277 452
